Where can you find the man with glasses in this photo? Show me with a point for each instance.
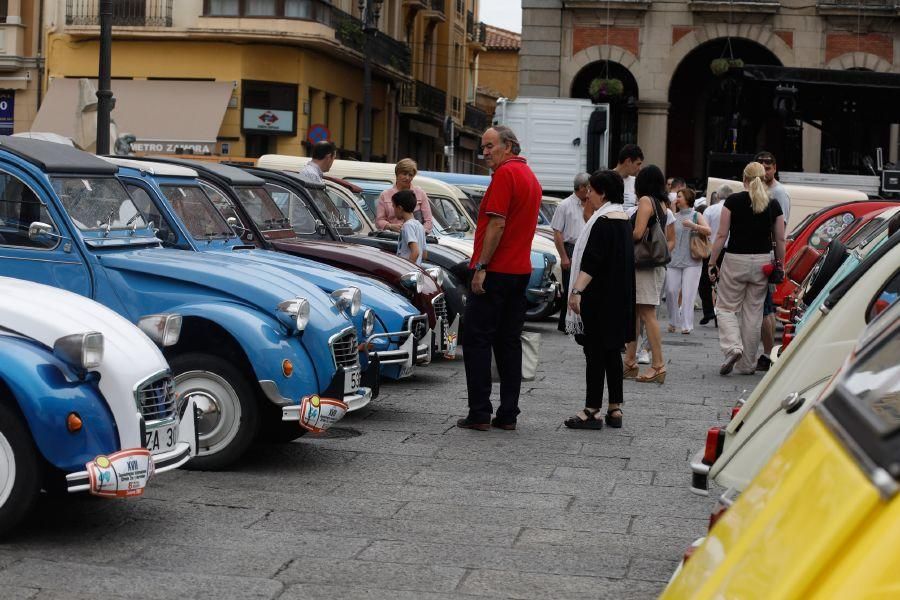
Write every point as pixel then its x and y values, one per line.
pixel 779 193
pixel 501 261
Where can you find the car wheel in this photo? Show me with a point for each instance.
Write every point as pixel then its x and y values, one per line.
pixel 827 265
pixel 539 312
pixel 280 432
pixel 19 469
pixel 229 413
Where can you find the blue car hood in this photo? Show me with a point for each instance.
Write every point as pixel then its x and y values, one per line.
pixel 391 308
pixel 193 277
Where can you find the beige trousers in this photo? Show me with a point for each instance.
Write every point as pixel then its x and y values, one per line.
pixel 739 305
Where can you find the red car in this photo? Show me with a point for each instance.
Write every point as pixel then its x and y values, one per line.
pixel 809 239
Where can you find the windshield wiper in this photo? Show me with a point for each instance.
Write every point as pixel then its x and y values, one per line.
pixel 107 222
pixel 132 220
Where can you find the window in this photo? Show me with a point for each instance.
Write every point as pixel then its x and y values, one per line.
pixel 223 8
pixel 298 9
pixel 258 204
pixel 222 203
pixel 884 299
pixel 194 209
pixel 19 208
pixel 97 203
pixel 829 230
pixel 151 214
pixel 867 232
pixel 292 205
pixel 348 213
pixel 259 8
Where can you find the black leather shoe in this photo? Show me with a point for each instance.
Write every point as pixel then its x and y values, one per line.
pixel 763 363
pixel 706 319
pixel 467 424
pixel 507 426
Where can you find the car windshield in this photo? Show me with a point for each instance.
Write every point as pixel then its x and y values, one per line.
pixel 349 212
pixel 368 202
pixel 549 208
pixel 262 209
pixel 337 218
pixel 875 382
pixel 865 233
pixel 447 215
pixel 302 219
pixel 196 211
pixel 806 221
pixel 96 204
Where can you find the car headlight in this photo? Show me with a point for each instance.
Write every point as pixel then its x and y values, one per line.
pixel 298 308
pixel 164 329
pixel 437 274
pixel 368 322
pixel 81 350
pixel 348 300
pixel 413 281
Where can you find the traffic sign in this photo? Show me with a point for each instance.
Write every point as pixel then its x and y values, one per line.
pixel 318 133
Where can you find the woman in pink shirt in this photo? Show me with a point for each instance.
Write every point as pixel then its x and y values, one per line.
pixel 405 171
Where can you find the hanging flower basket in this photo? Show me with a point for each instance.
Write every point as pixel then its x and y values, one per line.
pixel 606 88
pixel 720 66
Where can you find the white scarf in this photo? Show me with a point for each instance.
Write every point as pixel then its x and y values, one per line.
pixel 574 324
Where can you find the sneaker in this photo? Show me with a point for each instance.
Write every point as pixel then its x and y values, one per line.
pixel 643 357
pixel 730 360
pixel 763 363
pixel 467 424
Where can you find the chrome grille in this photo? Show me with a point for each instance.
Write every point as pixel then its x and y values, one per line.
pixel 440 306
pixel 345 350
pixel 156 399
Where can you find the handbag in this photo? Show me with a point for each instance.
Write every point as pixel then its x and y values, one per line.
pixel 652 250
pixel 531 357
pixel 700 246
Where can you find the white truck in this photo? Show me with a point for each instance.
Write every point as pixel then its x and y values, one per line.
pixel 560 137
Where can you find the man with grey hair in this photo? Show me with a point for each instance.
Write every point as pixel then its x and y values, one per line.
pixel 501 267
pixel 567 223
pixel 713 215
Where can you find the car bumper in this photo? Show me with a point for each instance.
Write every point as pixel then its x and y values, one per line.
pixel 699 475
pixel 549 292
pixel 162 462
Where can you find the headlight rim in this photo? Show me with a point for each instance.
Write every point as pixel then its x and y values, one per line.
pixel 74 350
pixel 437 274
pixel 299 309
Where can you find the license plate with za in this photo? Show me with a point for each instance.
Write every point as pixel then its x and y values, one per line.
pixel 161 439
pixel 352 378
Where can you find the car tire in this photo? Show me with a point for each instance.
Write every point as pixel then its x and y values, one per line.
pixel 19 469
pixel 825 268
pixel 539 312
pixel 229 410
pixel 280 432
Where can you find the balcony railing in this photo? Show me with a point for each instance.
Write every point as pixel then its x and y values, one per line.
pixel 425 98
pixel 126 13
pixel 476 118
pixel 438 5
pixel 864 5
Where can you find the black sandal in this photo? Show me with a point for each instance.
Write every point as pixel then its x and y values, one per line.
pixel 590 422
pixel 614 421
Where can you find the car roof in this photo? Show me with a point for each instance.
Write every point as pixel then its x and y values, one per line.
pixel 51 157
pixel 154 168
pixel 231 175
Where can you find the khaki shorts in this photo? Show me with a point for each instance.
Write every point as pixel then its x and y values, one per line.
pixel 648 285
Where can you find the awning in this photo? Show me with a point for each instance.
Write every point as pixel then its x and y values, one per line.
pixel 162 115
pixel 823 77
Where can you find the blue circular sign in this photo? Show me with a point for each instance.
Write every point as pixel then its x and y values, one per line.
pixel 318 133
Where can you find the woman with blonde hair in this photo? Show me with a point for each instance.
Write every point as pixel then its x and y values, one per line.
pixel 405 172
pixel 753 224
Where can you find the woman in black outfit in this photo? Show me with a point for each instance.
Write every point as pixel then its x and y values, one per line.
pixel 602 300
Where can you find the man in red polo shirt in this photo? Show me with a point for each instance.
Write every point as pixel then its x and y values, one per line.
pixel 495 310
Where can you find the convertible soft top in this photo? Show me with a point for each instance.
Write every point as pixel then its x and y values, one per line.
pixel 51 157
pixel 231 175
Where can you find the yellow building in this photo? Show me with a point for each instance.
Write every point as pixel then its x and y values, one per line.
pixel 20 50
pixel 498 67
pixel 249 77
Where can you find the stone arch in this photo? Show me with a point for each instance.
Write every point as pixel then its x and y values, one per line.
pixel 574 65
pixel 860 60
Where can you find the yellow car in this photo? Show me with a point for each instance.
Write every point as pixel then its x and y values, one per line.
pixel 822 518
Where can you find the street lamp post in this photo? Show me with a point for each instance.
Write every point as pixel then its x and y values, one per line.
pixel 370 11
pixel 104 90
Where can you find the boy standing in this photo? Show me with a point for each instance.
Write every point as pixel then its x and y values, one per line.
pixel 412 233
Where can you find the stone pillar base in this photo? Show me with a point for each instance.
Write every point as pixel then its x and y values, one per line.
pixel 653 125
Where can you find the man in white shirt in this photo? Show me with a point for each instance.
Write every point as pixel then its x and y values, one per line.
pixel 631 157
pixel 323 155
pixel 713 215
pixel 567 223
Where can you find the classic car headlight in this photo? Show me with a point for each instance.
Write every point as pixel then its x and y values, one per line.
pixel 437 274
pixel 348 299
pixel 368 322
pixel 297 308
pixel 81 350
pixel 163 329
pixel 413 281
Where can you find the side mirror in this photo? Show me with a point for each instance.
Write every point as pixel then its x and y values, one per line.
pixel 232 222
pixel 321 230
pixel 239 230
pixel 37 230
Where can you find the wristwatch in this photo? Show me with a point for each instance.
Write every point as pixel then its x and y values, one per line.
pixel 576 292
pixel 480 266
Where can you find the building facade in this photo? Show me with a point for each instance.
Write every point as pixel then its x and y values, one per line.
pixel 498 67
pixel 819 85
pixel 20 62
pixel 250 77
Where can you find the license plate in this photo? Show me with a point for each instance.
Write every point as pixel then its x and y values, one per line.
pixel 162 439
pixel 352 378
pixel 122 474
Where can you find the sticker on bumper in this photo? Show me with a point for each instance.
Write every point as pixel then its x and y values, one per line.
pixel 122 474
pixel 317 414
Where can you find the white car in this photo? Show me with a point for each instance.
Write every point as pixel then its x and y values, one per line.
pixel 87 400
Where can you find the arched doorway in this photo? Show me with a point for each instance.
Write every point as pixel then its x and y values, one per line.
pixel 709 113
pixel 623 117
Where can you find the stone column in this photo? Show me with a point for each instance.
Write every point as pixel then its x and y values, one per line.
pixel 14 12
pixel 318 107
pixel 653 125
pixel 351 125
pixel 336 119
pixel 812 149
pixel 539 58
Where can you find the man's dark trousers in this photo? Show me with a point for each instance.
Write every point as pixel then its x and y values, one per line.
pixel 705 290
pixel 570 250
pixel 494 321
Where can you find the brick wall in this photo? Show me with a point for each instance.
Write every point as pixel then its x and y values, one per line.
pixel 623 37
pixel 878 44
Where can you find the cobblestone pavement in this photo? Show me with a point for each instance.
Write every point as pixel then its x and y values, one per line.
pixel 397 503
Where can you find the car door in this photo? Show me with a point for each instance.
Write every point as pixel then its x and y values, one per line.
pixel 51 258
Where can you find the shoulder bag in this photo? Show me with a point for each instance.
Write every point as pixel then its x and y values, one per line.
pixel 700 246
pixel 652 250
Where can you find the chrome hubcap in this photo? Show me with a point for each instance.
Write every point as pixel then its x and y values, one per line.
pixel 7 469
pixel 220 408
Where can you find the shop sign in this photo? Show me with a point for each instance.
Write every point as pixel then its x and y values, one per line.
pixel 164 147
pixel 7 112
pixel 268 120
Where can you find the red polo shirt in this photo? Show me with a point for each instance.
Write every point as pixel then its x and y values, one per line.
pixel 514 194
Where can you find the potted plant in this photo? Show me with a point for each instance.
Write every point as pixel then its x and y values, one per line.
pixel 720 66
pixel 606 88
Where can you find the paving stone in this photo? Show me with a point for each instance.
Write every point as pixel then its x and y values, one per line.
pixel 329 592
pixel 514 584
pixel 652 570
pixel 454 495
pixel 378 575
